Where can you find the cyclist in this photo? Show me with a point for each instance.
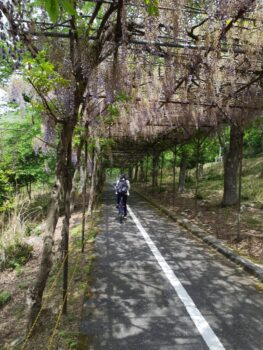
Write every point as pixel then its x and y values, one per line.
pixel 122 191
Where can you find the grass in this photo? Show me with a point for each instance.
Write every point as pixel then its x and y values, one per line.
pixel 18 224
pixel 16 255
pixel 253 221
pixel 212 182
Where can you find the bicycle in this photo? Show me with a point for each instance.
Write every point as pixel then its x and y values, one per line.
pixel 121 210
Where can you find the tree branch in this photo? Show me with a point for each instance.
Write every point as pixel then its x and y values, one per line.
pixel 94 15
pixel 16 31
pixel 239 15
pixel 105 18
pixel 191 33
pixel 44 101
pixel 253 81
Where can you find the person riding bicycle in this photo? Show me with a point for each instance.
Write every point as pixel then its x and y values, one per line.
pixel 122 191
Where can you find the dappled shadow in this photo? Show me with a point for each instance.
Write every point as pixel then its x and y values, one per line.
pixel 132 305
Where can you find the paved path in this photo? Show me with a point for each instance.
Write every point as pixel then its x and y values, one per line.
pixel 192 298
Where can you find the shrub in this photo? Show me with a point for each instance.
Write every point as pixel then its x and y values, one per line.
pixel 33 228
pixel 16 255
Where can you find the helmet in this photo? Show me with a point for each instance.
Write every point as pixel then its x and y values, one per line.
pixel 123 176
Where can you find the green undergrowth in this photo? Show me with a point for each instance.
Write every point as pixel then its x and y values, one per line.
pixel 252 183
pixel 16 225
pixel 211 184
pixel 16 255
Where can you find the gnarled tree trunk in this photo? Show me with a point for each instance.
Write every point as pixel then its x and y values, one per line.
pixel 76 175
pixel 231 164
pixel 34 297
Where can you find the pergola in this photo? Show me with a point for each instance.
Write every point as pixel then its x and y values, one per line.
pixel 146 73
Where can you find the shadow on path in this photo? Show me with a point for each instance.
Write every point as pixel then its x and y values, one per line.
pixel 133 306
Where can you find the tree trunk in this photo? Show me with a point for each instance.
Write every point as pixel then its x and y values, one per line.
pixel 198 149
pixel 182 174
pixel 130 173
pixel 136 173
pixel 141 176
pixel 28 188
pixel 174 171
pixel 196 187
pixel 36 292
pixel 65 228
pixel 84 194
pixel 239 193
pixel 100 177
pixel 146 170
pixel 76 175
pixel 93 182
pixel 231 165
pixel 200 171
pixel 155 162
pixel 161 177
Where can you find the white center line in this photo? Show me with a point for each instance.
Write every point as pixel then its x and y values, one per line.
pixel 200 322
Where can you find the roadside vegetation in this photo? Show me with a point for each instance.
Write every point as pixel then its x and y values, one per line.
pixel 26 174
pixel 59 330
pixel 199 195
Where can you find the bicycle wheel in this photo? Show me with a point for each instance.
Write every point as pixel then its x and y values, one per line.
pixel 121 211
pixel 121 218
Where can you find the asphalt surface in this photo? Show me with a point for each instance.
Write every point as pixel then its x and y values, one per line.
pixel 133 305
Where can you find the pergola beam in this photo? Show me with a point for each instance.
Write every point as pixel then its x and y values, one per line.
pixel 178 45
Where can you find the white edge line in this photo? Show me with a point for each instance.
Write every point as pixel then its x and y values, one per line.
pixel 200 322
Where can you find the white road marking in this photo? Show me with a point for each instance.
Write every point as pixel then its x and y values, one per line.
pixel 200 322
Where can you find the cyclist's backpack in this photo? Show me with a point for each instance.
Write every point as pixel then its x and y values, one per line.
pixel 122 186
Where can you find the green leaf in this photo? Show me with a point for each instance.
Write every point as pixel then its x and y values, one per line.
pixel 68 5
pixel 152 7
pixel 52 8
